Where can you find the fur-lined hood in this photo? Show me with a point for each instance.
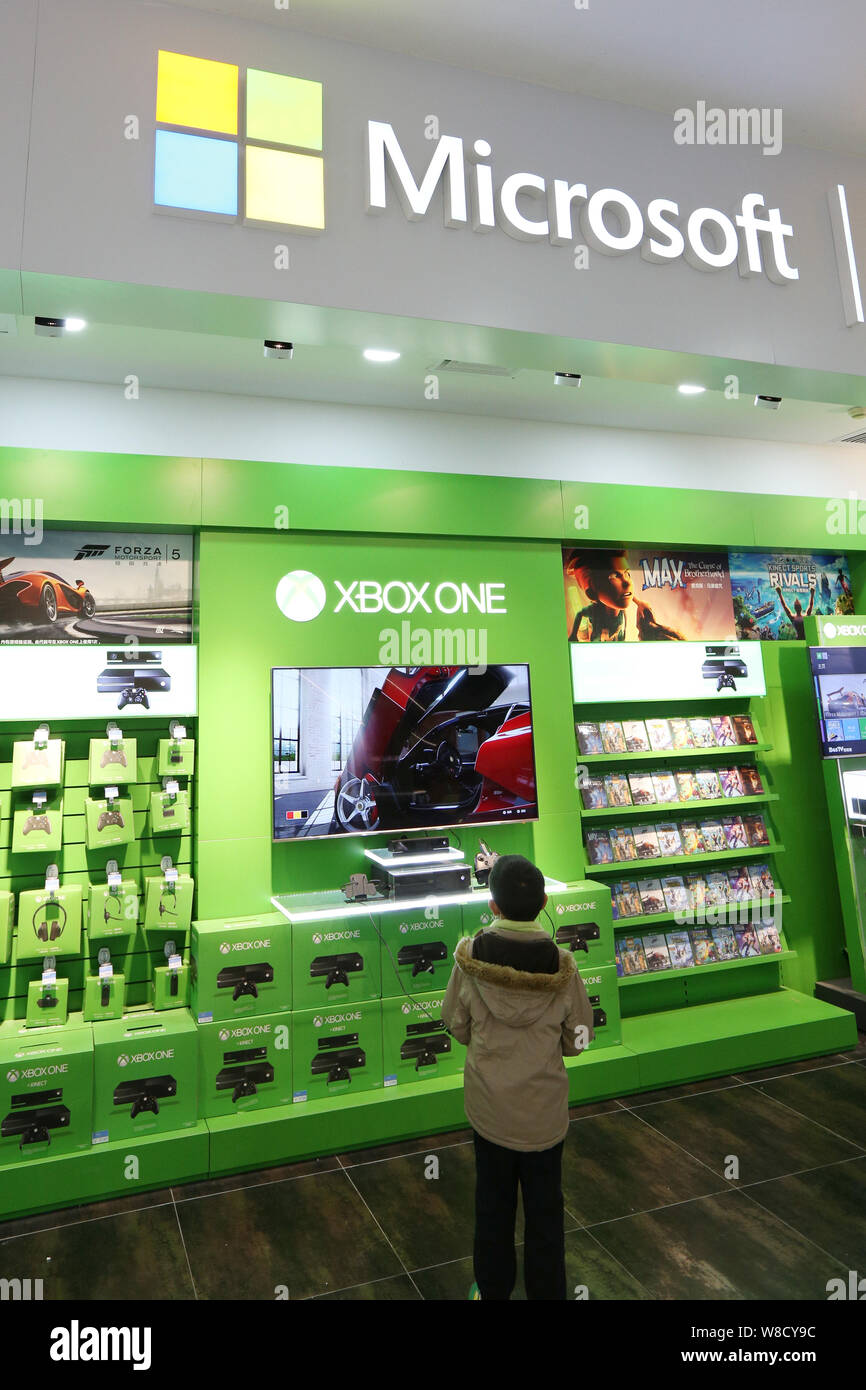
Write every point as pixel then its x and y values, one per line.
pixel 515 996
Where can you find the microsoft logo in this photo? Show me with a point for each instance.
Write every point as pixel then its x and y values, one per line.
pixel 251 157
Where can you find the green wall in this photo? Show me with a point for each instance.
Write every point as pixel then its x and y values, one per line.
pixel 259 520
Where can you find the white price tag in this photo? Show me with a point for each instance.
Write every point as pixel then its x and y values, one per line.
pixel 114 879
pixel 40 798
pixel 170 875
pixel 111 793
pixel 49 977
pixel 106 972
pixel 172 786
pixel 174 963
pixel 52 885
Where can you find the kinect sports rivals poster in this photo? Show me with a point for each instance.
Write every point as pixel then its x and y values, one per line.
pixel 98 588
pixel 628 594
pixel 774 593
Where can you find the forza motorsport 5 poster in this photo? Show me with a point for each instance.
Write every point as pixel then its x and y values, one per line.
pixel 632 594
pixel 97 588
pixel 774 593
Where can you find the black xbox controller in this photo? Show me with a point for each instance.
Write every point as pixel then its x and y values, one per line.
pixel 112 817
pixel 133 695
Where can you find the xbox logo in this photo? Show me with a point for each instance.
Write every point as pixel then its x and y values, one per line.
pixel 12 1076
pixel 317 938
pixel 407 1008
pixel 317 1022
pixel 559 909
pixel 123 1060
pixel 830 630
pixel 224 948
pixel 301 596
pixel 224 1035
pixel 484 918
pixel 403 928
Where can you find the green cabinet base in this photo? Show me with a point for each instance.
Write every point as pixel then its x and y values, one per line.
pixel 106 1170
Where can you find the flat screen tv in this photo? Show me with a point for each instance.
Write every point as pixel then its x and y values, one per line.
pixel 839 674
pixel 358 750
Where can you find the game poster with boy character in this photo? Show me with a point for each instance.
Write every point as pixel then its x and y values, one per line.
pixel 773 594
pixel 631 594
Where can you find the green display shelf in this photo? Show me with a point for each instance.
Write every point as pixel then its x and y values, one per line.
pixel 313 1128
pixel 661 808
pixel 628 924
pixel 734 1035
pixel 669 754
pixel 105 1170
pixel 628 866
pixel 692 970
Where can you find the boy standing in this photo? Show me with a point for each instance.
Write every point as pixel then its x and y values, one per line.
pixel 518 1004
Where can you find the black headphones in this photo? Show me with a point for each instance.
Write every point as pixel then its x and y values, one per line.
pixel 168 893
pixel 41 923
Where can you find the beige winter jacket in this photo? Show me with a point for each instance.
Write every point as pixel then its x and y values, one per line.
pixel 517 1027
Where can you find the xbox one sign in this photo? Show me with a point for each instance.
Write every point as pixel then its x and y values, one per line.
pixel 302 596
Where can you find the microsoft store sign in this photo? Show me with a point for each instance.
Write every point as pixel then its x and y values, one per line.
pixel 302 596
pixel 534 208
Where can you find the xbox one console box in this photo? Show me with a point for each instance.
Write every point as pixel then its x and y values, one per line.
pixel 336 1050
pixel 336 960
pixel 46 1090
pixel 145 1076
pixel 418 948
pixel 245 1064
pixel 108 822
pixel 603 992
pixel 416 1046
pixel 112 763
pixel 241 966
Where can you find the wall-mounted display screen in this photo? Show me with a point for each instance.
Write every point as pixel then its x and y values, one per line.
pixel 364 749
pixel 840 689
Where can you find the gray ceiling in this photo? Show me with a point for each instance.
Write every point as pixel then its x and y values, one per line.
pixel 802 56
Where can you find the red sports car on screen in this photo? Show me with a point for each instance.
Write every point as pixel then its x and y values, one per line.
pixel 439 745
pixel 39 596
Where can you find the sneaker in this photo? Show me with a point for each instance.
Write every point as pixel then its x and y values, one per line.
pixel 474 1293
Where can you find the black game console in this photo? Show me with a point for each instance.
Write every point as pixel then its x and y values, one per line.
pixel 337 1056
pixel 422 956
pixel 430 844
pixel 246 1076
pixel 425 1042
pixel 576 936
pixel 34 1116
pixel 337 969
pixel 428 883
pixel 145 1094
pixel 243 979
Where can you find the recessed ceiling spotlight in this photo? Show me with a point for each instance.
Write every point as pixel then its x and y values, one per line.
pixel 768 402
pixel 567 378
pixel 380 355
pixel 56 327
pixel 690 389
pixel 275 348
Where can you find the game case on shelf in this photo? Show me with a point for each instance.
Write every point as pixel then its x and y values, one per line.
pixel 612 738
pixel 680 948
pixel 693 840
pixel 744 728
pixel 723 730
pixel 627 898
pixel 652 897
pixel 665 785
pixel 631 956
pixel 714 836
pixel 617 789
pixel 732 782
pixel 687 786
pixel 598 847
pixel 726 943
pixel 681 734
pixel 702 733
pixel 669 839
pixel 709 785
pixel 656 953
pixel 646 842
pixel 659 734
pixel 593 794
pixel 676 894
pixel 642 788
pixel 756 830
pixel 635 734
pixel 588 738
pixel 704 947
pixel 735 832
pixel 622 844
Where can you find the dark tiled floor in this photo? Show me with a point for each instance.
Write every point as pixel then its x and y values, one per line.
pixel 654 1208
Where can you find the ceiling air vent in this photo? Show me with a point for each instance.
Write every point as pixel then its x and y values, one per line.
pixel 451 364
pixel 854 438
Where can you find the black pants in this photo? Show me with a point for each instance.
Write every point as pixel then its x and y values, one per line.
pixel 497 1174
